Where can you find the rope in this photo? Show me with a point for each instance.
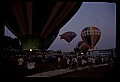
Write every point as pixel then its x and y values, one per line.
pixel 98 24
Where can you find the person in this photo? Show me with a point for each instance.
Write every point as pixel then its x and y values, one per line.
pixel 72 62
pixel 93 61
pixel 68 63
pixel 83 62
pixel 59 60
pixel 76 63
pixel 89 61
pixel 102 60
pixel 20 65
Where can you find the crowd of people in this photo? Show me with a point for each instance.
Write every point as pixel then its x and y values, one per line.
pixel 73 62
pixel 23 61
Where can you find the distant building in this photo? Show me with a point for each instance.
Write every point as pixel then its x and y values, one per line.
pixel 102 52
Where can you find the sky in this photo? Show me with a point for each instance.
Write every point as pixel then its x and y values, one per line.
pixel 99 14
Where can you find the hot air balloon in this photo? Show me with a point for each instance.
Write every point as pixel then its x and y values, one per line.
pixel 90 35
pixel 33 23
pixel 68 36
pixel 82 47
pixel 79 43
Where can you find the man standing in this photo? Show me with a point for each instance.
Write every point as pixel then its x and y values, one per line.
pixel 68 63
pixel 59 61
pixel 20 66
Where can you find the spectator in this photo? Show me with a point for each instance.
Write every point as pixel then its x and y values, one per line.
pixel 83 62
pixel 20 66
pixel 76 63
pixel 89 61
pixel 93 62
pixel 68 63
pixel 59 61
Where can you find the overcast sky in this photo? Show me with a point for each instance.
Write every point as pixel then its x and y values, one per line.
pixel 104 17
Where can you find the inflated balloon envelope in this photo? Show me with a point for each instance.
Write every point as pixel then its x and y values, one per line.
pixel 91 35
pixel 34 23
pixel 68 36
